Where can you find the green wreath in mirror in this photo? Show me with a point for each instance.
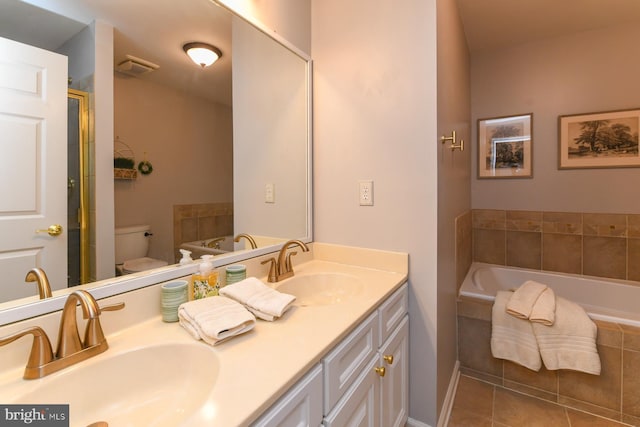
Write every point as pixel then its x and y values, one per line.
pixel 145 167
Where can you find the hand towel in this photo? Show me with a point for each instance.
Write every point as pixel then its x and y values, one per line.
pixel 523 299
pixel 544 310
pixel 512 338
pixel 263 301
pixel 215 319
pixel 571 342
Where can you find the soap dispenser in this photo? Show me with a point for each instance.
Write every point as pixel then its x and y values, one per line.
pixel 205 282
pixel 186 257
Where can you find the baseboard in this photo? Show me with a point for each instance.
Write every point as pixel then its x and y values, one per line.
pixel 415 423
pixel 447 405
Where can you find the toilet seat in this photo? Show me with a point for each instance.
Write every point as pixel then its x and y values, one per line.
pixel 141 264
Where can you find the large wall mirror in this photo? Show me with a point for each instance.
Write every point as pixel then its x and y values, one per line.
pixel 228 145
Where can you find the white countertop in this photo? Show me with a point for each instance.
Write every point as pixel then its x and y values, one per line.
pixel 256 368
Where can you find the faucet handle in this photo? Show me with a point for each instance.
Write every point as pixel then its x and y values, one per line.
pixel 288 266
pixel 273 272
pixel 93 333
pixel 41 352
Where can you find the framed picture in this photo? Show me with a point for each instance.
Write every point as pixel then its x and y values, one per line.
pixel 504 147
pixel 599 140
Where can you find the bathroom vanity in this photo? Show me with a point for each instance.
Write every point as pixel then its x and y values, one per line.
pixel 340 352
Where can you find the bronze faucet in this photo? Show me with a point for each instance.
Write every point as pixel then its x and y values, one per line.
pixel 71 350
pixel 40 277
pixel 283 268
pixel 215 243
pixel 251 240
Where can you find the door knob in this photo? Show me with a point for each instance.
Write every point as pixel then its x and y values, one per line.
pixel 388 358
pixel 53 230
pixel 380 371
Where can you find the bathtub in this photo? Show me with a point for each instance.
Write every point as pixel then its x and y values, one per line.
pixel 603 299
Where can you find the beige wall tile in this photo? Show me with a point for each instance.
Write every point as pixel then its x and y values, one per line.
pixel 489 246
pixel 524 249
pixel 474 346
pixel 488 378
pixel 490 219
pixel 562 222
pixel 633 225
pixel 633 259
pixel 609 334
pixel 543 379
pixel 612 225
pixel 474 308
pixel 604 257
pixel 594 409
pixel 524 220
pixel 631 383
pixel 562 252
pixel 602 390
pixel 631 337
pixel 530 391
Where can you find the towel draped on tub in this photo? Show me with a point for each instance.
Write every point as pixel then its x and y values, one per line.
pixel 552 329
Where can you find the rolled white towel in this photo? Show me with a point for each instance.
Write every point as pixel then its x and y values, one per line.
pixel 524 298
pixel 263 301
pixel 512 338
pixel 544 310
pixel 571 342
pixel 215 319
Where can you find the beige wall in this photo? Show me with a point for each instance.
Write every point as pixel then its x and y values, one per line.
pixel 375 118
pixel 187 139
pixel 454 170
pixel 585 72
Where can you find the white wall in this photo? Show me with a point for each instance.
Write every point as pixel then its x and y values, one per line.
pixel 375 118
pixel 454 176
pixel 272 150
pixel 585 72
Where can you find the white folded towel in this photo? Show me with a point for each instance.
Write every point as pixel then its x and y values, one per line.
pixel 544 310
pixel 215 319
pixel 571 342
pixel 524 298
pixel 263 301
pixel 512 338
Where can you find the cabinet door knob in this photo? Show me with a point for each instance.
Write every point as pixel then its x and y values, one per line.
pixel 380 371
pixel 388 358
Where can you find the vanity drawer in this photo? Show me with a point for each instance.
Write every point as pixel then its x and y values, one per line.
pixel 392 311
pixel 345 363
pixel 300 406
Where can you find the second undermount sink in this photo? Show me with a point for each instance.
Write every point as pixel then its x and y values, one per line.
pixel 322 288
pixel 159 385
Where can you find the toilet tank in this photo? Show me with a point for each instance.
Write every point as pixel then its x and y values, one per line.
pixel 131 242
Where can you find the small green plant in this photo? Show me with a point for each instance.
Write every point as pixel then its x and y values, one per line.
pixel 123 163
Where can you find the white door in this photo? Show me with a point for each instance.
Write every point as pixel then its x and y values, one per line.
pixel 33 166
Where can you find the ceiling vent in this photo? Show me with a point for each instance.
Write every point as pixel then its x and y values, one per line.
pixel 136 66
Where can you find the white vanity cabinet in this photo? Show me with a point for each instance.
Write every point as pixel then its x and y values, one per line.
pixel 300 406
pixel 366 378
pixel 363 381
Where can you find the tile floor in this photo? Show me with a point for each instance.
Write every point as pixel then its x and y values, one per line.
pixel 480 404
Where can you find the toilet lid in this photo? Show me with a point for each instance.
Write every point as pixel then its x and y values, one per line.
pixel 141 264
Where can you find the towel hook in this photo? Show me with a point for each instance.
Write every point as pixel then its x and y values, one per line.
pixel 452 139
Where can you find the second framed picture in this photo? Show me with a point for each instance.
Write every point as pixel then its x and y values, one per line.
pixel 504 147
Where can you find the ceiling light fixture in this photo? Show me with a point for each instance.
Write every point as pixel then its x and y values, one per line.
pixel 202 54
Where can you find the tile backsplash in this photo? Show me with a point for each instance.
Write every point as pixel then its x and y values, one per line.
pixel 604 245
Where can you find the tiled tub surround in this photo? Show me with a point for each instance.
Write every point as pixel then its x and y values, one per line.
pixel 603 245
pixel 614 394
pixel 201 221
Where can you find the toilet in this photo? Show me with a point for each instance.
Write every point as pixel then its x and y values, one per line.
pixel 132 246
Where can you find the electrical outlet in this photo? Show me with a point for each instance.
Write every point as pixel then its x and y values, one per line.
pixel 269 193
pixel 365 191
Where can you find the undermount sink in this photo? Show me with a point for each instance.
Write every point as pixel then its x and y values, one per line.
pixel 159 385
pixel 322 288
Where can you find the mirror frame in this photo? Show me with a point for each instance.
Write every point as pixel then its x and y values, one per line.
pixel 29 307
